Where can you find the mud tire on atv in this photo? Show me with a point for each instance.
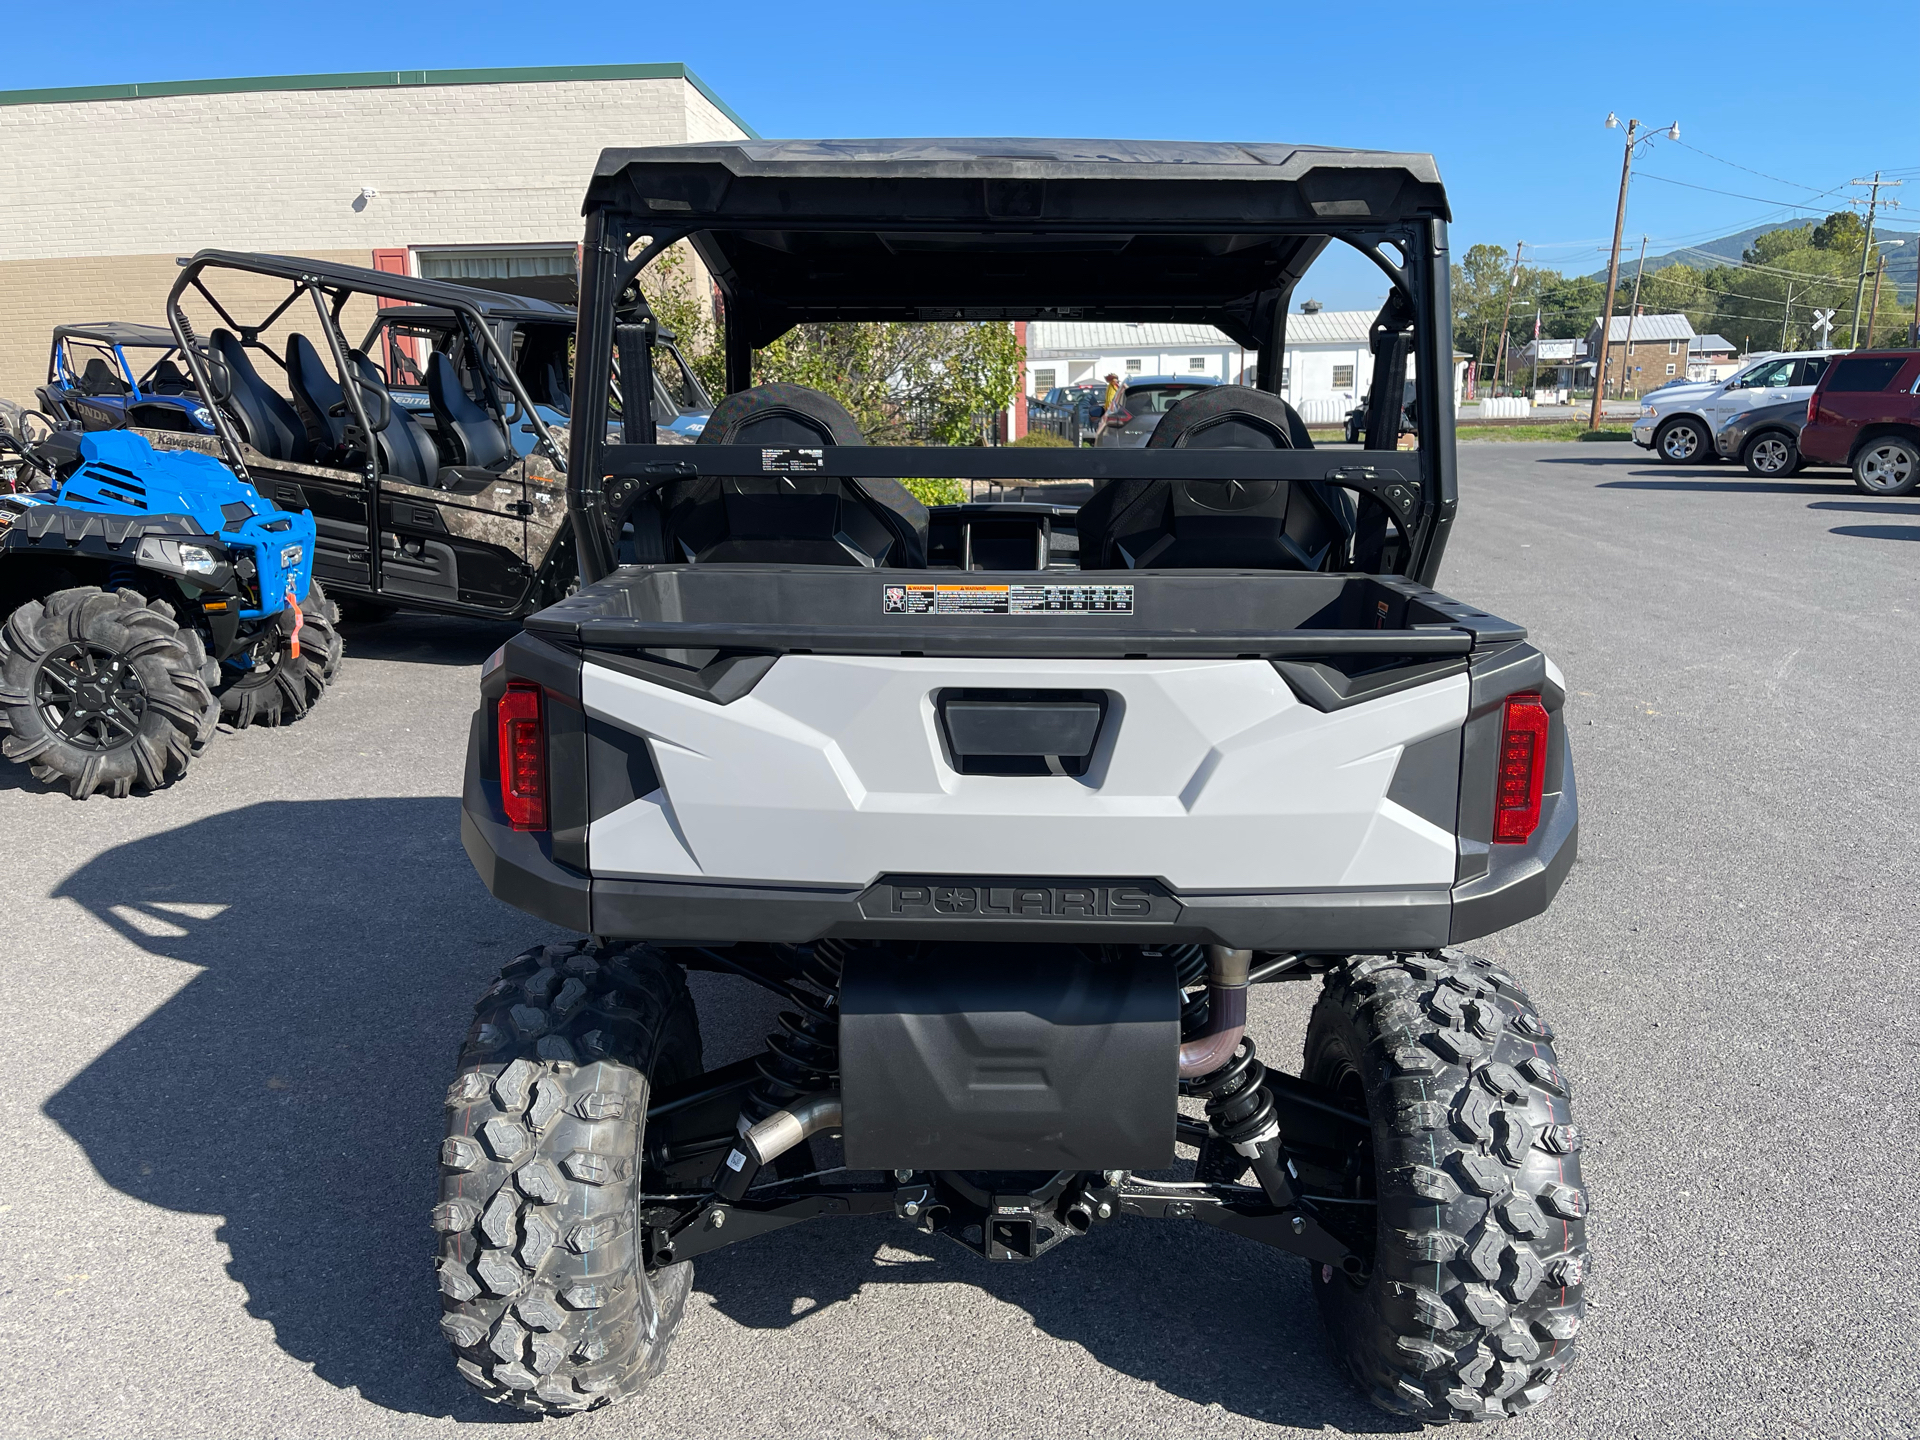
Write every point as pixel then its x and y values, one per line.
pixel 168 661
pixel 287 688
pixel 547 1302
pixel 1477 1288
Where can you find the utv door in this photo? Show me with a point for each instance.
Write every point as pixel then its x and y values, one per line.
pixel 464 544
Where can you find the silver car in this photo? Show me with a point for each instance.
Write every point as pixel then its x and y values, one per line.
pixel 1136 410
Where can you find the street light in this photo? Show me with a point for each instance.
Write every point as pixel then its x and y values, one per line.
pixel 1637 135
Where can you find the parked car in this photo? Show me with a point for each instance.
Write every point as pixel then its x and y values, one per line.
pixel 1073 410
pixel 1679 425
pixel 1765 439
pixel 1866 415
pixel 1141 402
pixel 113 374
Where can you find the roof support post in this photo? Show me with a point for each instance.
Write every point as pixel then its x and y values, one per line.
pixel 592 368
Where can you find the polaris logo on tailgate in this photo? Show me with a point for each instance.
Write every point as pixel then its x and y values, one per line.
pixel 1019 900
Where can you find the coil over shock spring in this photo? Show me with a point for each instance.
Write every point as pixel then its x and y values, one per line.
pixel 1190 971
pixel 1239 1109
pixel 804 1053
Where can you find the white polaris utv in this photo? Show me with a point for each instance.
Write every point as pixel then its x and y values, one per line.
pixel 1011 803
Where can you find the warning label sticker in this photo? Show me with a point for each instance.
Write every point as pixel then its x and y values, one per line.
pixel 792 461
pixel 1008 599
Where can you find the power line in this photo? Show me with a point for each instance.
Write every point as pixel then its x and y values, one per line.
pixel 1750 170
pixel 1760 199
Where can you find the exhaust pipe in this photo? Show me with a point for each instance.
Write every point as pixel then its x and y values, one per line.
pixel 773 1137
pixel 1227 972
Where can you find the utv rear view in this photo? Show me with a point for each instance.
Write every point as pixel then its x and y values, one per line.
pixel 1010 805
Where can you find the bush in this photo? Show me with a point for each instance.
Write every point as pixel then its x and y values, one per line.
pixel 1043 440
pixel 936 492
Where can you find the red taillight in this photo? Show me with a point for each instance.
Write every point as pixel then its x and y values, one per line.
pixel 1813 405
pixel 1523 770
pixel 1119 417
pixel 523 757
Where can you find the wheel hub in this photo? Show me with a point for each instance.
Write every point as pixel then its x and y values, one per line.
pixel 90 695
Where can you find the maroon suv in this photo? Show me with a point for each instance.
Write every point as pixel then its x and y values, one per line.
pixel 1865 415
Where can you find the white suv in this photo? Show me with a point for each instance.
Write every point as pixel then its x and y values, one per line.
pixel 1678 423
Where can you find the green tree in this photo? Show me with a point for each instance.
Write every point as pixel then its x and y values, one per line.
pixel 937 382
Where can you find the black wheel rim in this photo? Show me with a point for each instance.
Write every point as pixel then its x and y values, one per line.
pixel 90 696
pixel 1359 1226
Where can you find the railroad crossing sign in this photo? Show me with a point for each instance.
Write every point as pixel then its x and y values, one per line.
pixel 1823 327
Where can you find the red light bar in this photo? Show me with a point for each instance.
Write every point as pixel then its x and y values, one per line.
pixel 523 757
pixel 1523 770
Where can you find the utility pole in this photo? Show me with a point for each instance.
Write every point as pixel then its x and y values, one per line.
pixel 1634 137
pixel 1873 310
pixel 1860 285
pixel 1786 315
pixel 1506 317
pixel 1534 383
pixel 1633 313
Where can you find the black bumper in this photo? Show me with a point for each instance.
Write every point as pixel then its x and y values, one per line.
pixel 518 868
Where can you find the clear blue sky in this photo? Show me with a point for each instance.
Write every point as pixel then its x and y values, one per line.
pixel 1510 98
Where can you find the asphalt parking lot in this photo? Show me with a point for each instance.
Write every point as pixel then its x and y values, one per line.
pixel 233 1007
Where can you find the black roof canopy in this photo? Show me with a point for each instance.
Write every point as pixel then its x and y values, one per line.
pixel 1008 229
pixel 404 289
pixel 119 332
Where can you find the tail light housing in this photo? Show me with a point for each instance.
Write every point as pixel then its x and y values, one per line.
pixel 1813 406
pixel 523 756
pixel 1119 417
pixel 1522 775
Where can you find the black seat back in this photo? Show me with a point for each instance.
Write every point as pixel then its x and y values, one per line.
pixel 271 424
pixel 1217 524
pixel 791 519
pixel 407 451
pixel 473 427
pixel 167 379
pixel 100 378
pixel 318 396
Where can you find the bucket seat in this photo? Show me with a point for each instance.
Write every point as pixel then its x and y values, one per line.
pixel 272 426
pixel 1217 524
pixel 475 431
pixel 407 451
pixel 318 395
pixel 800 519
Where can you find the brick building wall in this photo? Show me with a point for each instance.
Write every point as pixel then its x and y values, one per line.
pixel 105 187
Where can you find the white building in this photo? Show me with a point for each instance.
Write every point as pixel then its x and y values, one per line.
pixel 1328 368
pixel 449 174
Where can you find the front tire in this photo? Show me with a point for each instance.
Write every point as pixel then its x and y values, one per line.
pixel 281 686
pixel 103 691
pixel 1479 1245
pixel 1771 455
pixel 1887 465
pixel 1682 441
pixel 547 1301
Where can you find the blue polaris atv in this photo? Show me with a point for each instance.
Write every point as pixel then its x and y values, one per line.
pixel 115 374
pixel 149 594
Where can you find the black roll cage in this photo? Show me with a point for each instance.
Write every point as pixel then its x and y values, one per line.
pixel 330 287
pixel 1418 489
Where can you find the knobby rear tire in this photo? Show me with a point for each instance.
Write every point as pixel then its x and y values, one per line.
pixel 547 1301
pixel 1477 1289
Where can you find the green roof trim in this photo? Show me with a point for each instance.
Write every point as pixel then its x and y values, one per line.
pixel 377 80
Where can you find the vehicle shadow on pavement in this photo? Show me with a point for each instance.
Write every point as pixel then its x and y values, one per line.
pixel 294 1086
pixel 1208 1317
pixel 1725 487
pixel 1909 508
pixel 1878 532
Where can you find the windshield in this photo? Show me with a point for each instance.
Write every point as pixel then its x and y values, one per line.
pixel 1157 399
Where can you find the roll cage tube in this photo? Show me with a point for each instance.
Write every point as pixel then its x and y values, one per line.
pixel 340 289
pixel 1423 511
